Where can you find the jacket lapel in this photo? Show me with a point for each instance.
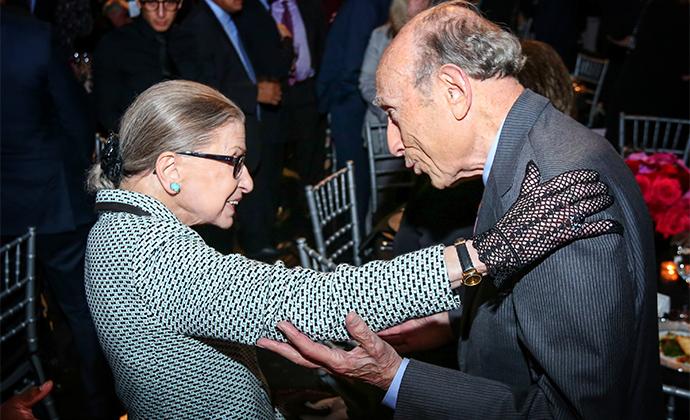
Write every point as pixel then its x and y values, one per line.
pixel 518 123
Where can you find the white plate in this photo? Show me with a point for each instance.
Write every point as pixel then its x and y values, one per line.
pixel 677 328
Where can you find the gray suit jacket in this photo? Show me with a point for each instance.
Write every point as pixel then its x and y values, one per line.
pixel 576 335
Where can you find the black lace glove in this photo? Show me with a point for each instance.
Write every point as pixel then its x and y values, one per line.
pixel 545 217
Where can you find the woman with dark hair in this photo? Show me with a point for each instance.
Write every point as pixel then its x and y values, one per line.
pixel 545 73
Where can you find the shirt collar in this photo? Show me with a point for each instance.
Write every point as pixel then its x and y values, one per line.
pixel 221 14
pixel 492 154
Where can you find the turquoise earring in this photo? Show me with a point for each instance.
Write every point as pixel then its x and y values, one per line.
pixel 175 187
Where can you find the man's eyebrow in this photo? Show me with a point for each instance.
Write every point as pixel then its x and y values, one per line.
pixel 377 101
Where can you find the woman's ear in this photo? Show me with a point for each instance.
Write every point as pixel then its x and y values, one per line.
pixel 168 172
pixel 456 88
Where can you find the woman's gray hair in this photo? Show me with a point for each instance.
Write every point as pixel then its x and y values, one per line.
pixel 476 45
pixel 173 116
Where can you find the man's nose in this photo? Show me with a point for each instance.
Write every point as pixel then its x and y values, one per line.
pixel 246 182
pixel 160 11
pixel 395 144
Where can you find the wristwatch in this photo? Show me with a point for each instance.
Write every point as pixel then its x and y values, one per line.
pixel 470 275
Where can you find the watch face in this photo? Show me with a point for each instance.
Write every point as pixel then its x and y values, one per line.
pixel 472 280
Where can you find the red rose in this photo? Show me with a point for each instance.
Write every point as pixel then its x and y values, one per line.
pixel 675 220
pixel 634 165
pixel 645 183
pixel 665 192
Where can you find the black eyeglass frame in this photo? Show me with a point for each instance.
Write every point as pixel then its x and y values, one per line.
pixel 237 162
pixel 168 5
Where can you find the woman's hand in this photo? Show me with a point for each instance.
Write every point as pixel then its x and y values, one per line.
pixel 545 217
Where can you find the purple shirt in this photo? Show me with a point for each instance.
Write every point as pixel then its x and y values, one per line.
pixel 303 67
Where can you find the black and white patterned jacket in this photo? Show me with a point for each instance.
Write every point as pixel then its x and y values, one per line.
pixel 178 320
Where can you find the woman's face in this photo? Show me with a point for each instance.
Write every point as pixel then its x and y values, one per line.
pixel 209 191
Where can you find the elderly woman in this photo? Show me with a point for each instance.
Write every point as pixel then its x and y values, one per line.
pixel 178 321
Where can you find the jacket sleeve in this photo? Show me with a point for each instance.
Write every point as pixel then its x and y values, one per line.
pixel 196 291
pixel 574 324
pixel 107 83
pixel 71 108
pixel 367 76
pixel 363 19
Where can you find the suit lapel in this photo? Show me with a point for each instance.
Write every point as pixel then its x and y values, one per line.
pixel 516 127
pixel 518 123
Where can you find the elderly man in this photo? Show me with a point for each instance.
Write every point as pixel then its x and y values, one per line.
pixel 573 337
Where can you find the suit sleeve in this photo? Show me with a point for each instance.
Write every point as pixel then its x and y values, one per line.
pixel 270 56
pixel 363 21
pixel 574 319
pixel 367 77
pixel 71 110
pixel 107 82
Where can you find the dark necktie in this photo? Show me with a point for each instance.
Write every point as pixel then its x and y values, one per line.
pixel 287 17
pixel 287 21
pixel 163 57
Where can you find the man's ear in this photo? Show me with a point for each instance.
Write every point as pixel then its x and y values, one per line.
pixel 456 88
pixel 167 171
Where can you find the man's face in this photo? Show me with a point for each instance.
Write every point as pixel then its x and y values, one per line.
pixel 160 15
pixel 421 126
pixel 230 6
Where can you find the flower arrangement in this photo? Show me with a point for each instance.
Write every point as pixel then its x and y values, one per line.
pixel 665 184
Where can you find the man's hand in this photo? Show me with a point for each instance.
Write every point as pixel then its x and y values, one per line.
pixel 419 334
pixel 19 406
pixel 283 31
pixel 268 92
pixel 374 361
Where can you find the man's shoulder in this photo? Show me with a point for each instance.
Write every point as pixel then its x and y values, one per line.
pixel 557 137
pixel 200 14
pixel 29 32
pixel 119 38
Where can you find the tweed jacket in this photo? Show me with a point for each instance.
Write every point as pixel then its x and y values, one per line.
pixel 576 335
pixel 178 321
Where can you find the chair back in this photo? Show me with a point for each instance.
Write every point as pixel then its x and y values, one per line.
pixel 17 291
pixel 21 367
pixel 386 172
pixel 671 393
pixel 590 72
pixel 310 258
pixel 654 134
pixel 331 159
pixel 333 212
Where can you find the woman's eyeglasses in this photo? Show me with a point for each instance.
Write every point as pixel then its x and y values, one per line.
pixel 237 162
pixel 152 5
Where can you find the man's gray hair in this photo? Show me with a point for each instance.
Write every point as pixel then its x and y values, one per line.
pixel 455 33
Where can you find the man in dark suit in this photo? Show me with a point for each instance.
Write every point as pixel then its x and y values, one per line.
pixel 47 142
pixel 575 335
pixel 223 62
pixel 133 58
pixel 304 33
pixel 338 85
